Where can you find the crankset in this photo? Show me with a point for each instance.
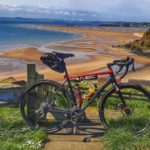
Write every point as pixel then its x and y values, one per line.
pixel 77 115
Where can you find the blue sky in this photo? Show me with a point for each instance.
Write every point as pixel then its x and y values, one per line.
pixel 103 10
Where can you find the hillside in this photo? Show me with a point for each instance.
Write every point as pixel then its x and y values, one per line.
pixel 141 46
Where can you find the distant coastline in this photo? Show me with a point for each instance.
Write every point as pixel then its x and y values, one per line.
pixel 59 22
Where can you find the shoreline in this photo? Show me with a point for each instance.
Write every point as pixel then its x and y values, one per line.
pixel 95 40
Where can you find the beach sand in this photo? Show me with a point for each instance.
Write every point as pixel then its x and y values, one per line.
pixel 96 40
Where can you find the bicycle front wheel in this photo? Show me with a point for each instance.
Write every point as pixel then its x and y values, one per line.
pixel 45 104
pixel 136 116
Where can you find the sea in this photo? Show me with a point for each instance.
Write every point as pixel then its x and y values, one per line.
pixel 18 32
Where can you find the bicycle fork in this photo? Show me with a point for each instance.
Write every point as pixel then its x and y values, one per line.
pixel 123 106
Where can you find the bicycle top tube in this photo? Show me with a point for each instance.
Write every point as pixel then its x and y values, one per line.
pixel 109 71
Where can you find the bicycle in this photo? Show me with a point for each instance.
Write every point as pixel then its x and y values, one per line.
pixel 53 105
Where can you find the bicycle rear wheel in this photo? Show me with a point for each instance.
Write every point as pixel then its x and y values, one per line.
pixel 135 118
pixel 45 104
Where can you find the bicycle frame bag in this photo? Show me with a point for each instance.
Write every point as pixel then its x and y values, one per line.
pixel 53 62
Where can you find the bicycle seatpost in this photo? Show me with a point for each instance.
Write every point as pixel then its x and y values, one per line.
pixel 70 87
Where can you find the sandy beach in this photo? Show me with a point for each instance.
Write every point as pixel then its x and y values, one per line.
pixel 96 45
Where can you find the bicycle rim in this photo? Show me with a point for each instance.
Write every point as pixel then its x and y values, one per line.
pixel 45 104
pixel 138 102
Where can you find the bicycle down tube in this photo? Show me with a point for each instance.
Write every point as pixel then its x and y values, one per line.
pixel 109 80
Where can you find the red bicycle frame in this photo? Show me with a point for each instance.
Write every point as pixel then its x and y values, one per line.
pixel 109 71
pixel 110 80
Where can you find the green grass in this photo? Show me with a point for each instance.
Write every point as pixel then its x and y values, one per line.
pixel 14 135
pixel 121 139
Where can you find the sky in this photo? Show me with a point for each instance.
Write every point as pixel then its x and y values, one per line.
pixel 100 10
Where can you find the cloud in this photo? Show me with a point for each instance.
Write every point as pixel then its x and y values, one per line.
pixel 101 10
pixel 11 2
pixel 45 12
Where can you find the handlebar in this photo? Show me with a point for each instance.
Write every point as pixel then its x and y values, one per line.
pixel 122 60
pixel 123 63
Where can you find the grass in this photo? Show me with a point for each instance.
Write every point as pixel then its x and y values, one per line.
pixel 141 46
pixel 14 135
pixel 121 139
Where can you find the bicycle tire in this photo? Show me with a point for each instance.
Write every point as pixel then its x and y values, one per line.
pixel 113 116
pixel 41 95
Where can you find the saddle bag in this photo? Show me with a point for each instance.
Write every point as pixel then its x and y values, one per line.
pixel 53 62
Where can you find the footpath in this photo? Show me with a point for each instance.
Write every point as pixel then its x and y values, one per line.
pixel 87 138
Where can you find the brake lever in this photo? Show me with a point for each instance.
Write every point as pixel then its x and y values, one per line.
pixel 126 71
pixel 120 68
pixel 131 61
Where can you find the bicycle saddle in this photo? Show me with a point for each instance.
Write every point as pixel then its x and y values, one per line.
pixel 55 60
pixel 63 55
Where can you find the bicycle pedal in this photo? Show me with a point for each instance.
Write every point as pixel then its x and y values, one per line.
pixel 86 140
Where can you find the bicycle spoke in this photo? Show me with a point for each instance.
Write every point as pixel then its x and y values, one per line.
pixel 50 107
pixel 134 116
